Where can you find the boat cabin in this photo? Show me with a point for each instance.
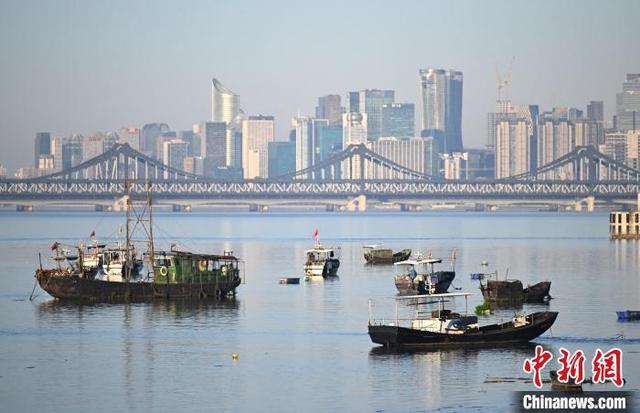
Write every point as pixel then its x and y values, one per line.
pixel 184 267
pixel 320 254
pixel 413 268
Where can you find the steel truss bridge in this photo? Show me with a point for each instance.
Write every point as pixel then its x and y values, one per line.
pixel 103 179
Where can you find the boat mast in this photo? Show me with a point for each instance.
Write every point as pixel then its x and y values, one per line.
pixel 127 263
pixel 150 246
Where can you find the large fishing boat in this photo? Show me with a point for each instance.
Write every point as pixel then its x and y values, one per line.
pixel 443 328
pixel 417 276
pixel 102 273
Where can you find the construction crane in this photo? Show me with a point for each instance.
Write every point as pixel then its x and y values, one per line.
pixel 504 82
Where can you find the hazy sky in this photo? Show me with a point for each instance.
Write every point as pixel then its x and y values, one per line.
pixel 85 66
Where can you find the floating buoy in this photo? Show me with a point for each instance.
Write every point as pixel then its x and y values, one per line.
pixel 484 262
pixel 234 356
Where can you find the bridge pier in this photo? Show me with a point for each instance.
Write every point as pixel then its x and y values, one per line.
pixel 357 204
pixel 180 208
pixel 410 207
pixel 24 208
pixel 590 204
pixel 258 208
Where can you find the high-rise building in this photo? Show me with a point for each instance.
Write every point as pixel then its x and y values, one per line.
pixel 225 105
pixel 441 107
pixel 194 165
pixel 174 153
pixel 353 102
pixel 67 151
pixel 628 104
pixel 151 132
pixel 328 141
pixel 315 140
pixel 516 135
pixel 94 145
pixel 556 137
pixel 504 110
pixel 213 138
pixel 329 108
pixel 164 137
pixel 455 165
pixel 398 119
pixel 595 111
pixel 191 139
pixel 282 158
pixel 513 147
pixel 130 136
pixel 418 154
pixel 354 128
pixel 308 141
pixel 42 146
pixel 257 132
pixel 370 102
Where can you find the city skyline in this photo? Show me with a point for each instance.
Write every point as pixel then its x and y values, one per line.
pixel 80 88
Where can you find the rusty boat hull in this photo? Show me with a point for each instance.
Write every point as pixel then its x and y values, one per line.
pixel 72 287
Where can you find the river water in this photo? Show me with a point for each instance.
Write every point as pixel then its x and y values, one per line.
pixel 304 347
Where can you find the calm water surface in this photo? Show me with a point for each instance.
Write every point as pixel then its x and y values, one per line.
pixel 305 347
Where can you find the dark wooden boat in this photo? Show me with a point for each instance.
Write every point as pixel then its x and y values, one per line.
pixel 375 254
pixel 512 291
pixel 463 332
pixel 415 277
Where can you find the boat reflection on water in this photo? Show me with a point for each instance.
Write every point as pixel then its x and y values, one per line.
pixel 64 312
pixel 442 378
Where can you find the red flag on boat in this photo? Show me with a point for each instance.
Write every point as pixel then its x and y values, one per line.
pixel 93 234
pixel 315 234
pixel 54 245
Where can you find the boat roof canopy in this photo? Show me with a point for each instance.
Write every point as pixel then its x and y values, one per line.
pixel 420 261
pixel 195 256
pixel 443 295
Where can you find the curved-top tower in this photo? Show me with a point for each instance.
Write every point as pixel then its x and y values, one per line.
pixel 224 103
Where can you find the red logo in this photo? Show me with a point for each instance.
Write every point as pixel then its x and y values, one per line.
pixel 605 366
pixel 536 364
pixel 572 366
pixel 608 366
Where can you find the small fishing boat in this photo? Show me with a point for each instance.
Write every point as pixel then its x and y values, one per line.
pixel 628 315
pixel 417 276
pixel 443 328
pixel 512 291
pixel 321 262
pixel 376 254
pixel 477 276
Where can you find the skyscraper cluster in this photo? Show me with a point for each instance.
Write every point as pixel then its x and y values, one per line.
pixel 232 145
pixel 525 139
